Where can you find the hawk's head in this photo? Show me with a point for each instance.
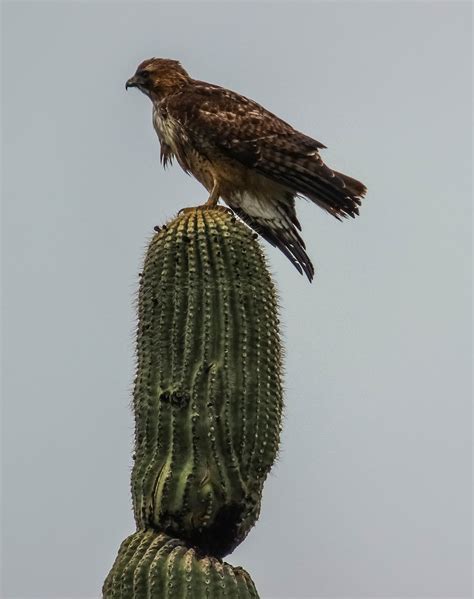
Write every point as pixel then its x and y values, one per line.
pixel 158 77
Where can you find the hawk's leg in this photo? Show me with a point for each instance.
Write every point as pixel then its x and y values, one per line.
pixel 214 197
pixel 211 202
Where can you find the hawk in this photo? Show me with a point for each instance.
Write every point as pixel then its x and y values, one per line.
pixel 245 155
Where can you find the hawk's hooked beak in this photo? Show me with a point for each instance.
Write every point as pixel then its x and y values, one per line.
pixel 132 82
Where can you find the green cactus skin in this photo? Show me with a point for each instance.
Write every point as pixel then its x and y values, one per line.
pixel 208 394
pixel 152 565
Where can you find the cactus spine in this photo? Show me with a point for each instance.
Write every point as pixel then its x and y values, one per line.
pixel 207 396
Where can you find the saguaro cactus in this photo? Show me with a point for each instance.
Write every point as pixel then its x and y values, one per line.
pixel 152 565
pixel 208 396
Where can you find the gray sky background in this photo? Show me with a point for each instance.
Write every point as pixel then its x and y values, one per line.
pixel 371 495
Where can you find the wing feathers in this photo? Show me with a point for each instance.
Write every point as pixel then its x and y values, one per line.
pixel 218 121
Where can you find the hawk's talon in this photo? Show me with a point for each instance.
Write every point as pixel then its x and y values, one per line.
pixel 184 210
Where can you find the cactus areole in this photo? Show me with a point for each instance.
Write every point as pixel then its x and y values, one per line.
pixel 208 394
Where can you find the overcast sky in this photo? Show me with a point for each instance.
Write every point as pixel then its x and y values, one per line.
pixel 371 494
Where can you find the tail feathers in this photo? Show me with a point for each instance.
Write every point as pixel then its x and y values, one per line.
pixel 336 193
pixel 339 194
pixel 355 187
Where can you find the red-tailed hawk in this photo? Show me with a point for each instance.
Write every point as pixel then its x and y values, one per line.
pixel 244 154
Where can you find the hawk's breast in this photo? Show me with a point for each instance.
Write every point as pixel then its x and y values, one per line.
pixel 166 129
pixel 172 135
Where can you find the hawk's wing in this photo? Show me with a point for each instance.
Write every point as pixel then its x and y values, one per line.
pixel 211 117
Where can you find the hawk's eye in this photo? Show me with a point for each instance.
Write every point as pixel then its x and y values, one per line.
pixel 144 74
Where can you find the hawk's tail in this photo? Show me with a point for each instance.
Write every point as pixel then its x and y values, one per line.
pixel 337 193
pixel 355 187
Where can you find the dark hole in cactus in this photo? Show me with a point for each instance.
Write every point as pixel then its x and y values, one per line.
pixel 217 540
pixel 165 396
pixel 180 399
